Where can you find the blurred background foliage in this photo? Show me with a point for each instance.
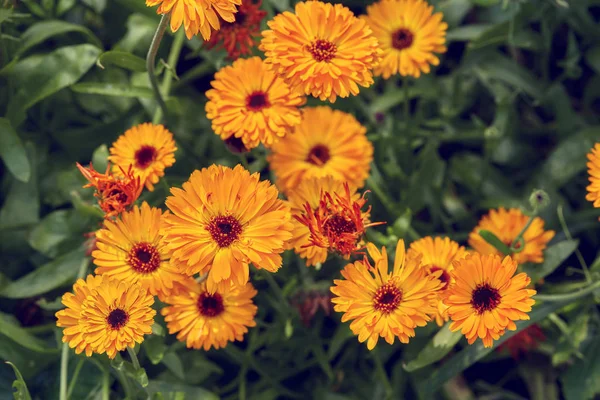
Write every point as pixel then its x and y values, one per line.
pixel 514 105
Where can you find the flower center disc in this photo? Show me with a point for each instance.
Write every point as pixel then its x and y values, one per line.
pixel 224 230
pixel 485 298
pixel 210 305
pixel 444 277
pixel 387 298
pixel 318 155
pixel 336 225
pixel 117 318
pixel 145 156
pixel 144 258
pixel 257 101
pixel 322 50
pixel 402 38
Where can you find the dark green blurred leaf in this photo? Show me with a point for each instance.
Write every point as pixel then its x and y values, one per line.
pixel 440 345
pixel 553 258
pixel 155 348
pixel 56 228
pixel 169 391
pixel 100 158
pixel 592 57
pixel 45 30
pixel 9 327
pixel 580 381
pixel 570 343
pixel 12 151
pixel 111 89
pixel 21 392
pixel 122 59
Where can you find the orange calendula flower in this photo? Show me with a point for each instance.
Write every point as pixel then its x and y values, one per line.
pixel 593 165
pixel 148 148
pixel 438 254
pixel 326 143
pixel 487 298
pixel 197 16
pixel 115 193
pixel 321 49
pixel 203 319
pixel 238 37
pixel 506 225
pixel 222 220
pixel 523 341
pixel 132 249
pixel 337 223
pixel 409 34
pixel 383 303
pixel 250 102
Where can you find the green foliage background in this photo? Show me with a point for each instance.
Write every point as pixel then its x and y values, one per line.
pixel 514 106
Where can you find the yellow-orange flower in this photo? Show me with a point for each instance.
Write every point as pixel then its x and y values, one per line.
pixel 409 34
pixel 487 298
pixel 197 16
pixel 148 148
pixel 203 320
pixel 326 143
pixel 132 249
pixel 438 254
pixel 322 49
pixel 593 165
pixel 383 303
pixel 250 102
pixel 506 225
pixel 222 220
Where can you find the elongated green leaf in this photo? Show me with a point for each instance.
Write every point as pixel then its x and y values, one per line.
pixel 468 32
pixel 111 89
pixel 9 327
pixel 169 389
pixel 494 241
pixel 553 257
pixel 581 381
pixel 122 59
pixel 12 152
pixel 21 206
pixel 44 30
pixel 592 57
pixel 21 392
pixel 47 277
pixel 436 349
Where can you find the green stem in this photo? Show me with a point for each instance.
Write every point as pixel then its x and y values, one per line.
pixel 134 359
pixel 565 228
pixel 406 102
pixel 151 60
pixel 520 235
pixel 244 161
pixel 383 197
pixel 106 385
pixel 571 296
pixel 75 377
pixel 126 385
pixel 168 78
pixel 383 375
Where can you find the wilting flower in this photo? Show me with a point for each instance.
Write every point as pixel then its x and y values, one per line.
pixel 438 254
pixel 383 303
pixel 409 34
pixel 523 341
pixel 132 249
pixel 203 320
pixel 308 303
pixel 506 225
pixel 222 220
pixel 593 165
pixel 326 143
pixel 487 298
pixel 197 16
pixel 322 49
pixel 148 148
pixel 237 37
pixel 250 102
pixel 338 223
pixel 115 194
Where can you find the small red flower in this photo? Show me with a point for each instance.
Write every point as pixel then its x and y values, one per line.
pixel 308 303
pixel 524 341
pixel 238 37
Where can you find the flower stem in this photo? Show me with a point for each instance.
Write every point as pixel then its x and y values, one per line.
pixel 520 235
pixel 75 377
pixel 151 60
pixel 134 359
pixel 168 77
pixel 105 385
pixel 406 102
pixel 565 228
pixel 570 296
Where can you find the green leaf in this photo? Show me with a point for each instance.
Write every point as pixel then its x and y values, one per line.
pixel 122 59
pixel 100 158
pixel 580 381
pixel 173 362
pixel 19 335
pixel 492 239
pixel 155 348
pixel 169 391
pixel 21 392
pixel 570 341
pixel 553 257
pixel 441 344
pixel 111 89
pixel 45 30
pixel 12 152
pixel 592 57
pixel 47 277
pixel 55 229
pixel 467 32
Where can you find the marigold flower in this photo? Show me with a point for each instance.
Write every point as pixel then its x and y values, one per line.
pixel 148 148
pixel 337 223
pixel 250 102
pixel 203 319
pixel 132 249
pixel 487 298
pixel 506 225
pixel 384 303
pixel 326 143
pixel 523 341
pixel 197 16
pixel 409 34
pixel 438 254
pixel 593 165
pixel 237 37
pixel 222 220
pixel 322 49
pixel 115 194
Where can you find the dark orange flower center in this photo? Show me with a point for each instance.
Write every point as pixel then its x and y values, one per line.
pixel 145 156
pixel 337 224
pixel 402 38
pixel 485 298
pixel 240 18
pixel 318 155
pixel 322 50
pixel 144 258
pixel 444 277
pixel 210 305
pixel 387 298
pixel 257 101
pixel 224 230
pixel 117 318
